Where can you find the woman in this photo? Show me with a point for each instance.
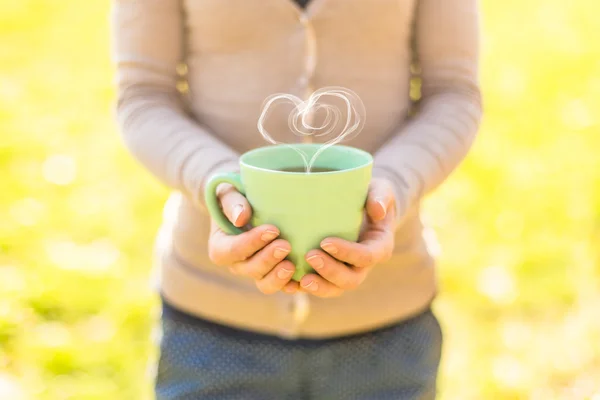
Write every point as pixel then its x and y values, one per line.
pixel 223 336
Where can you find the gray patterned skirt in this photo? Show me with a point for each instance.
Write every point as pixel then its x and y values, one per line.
pixel 203 360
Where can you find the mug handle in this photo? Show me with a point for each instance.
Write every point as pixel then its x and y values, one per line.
pixel 212 202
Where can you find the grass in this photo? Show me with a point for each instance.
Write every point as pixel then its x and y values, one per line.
pixel 518 225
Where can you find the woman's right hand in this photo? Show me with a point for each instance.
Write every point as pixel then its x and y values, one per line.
pixel 256 253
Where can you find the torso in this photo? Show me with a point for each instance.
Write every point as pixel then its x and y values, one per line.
pixel 238 53
pixel 237 58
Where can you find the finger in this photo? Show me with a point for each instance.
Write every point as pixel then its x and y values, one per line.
pixel 261 263
pixel 339 274
pixel 318 286
pixel 380 238
pixel 234 205
pixel 291 287
pixel 380 199
pixel 278 278
pixel 228 249
pixel 358 254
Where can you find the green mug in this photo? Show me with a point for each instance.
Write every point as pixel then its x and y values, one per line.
pixel 306 207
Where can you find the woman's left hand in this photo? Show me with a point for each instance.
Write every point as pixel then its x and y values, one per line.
pixel 344 265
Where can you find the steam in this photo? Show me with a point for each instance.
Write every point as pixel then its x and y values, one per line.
pixel 300 120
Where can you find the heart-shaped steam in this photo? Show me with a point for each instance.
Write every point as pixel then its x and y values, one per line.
pixel 300 120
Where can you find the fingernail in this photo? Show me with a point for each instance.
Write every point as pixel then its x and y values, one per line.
pixel 328 247
pixel 269 235
pixel 383 206
pixel 280 252
pixel 316 262
pixel 289 289
pixel 312 286
pixel 237 211
pixel 284 273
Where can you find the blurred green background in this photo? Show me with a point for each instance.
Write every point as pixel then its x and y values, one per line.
pixel 518 226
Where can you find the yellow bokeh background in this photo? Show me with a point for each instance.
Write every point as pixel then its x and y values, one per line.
pixel 516 229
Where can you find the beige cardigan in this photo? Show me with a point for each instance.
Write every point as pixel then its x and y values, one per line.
pixel 238 52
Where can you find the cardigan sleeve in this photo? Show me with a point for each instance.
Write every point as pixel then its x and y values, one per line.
pixel 148 45
pixel 432 143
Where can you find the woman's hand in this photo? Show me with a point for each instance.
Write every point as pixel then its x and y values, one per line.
pixel 375 245
pixel 257 253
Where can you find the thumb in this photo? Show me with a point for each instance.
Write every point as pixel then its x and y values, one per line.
pixel 234 205
pixel 380 199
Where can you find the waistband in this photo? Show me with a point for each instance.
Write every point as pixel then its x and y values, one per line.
pixel 171 313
